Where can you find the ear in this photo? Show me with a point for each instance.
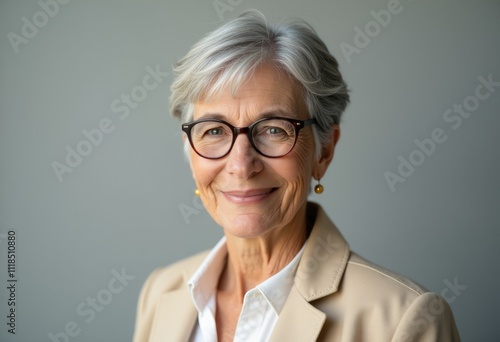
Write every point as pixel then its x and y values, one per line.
pixel 327 153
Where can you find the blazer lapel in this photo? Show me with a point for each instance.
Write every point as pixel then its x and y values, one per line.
pixel 298 320
pixel 318 275
pixel 175 317
pixel 322 266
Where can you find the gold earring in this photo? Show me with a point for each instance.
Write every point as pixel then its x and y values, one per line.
pixel 197 192
pixel 319 188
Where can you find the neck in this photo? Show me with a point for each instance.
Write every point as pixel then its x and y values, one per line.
pixel 251 261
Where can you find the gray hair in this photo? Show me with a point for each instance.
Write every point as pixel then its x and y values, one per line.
pixel 229 55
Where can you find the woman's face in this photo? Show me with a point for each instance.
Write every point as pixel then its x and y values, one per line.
pixel 248 194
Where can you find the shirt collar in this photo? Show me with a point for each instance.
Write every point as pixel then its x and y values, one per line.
pixel 275 289
pixel 203 283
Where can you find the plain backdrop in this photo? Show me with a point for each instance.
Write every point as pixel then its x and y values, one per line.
pixel 127 207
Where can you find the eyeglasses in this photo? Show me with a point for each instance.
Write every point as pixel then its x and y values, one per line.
pixel 271 137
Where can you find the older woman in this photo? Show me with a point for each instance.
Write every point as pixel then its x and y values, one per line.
pixel 260 107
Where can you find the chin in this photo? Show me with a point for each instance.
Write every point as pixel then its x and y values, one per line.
pixel 247 227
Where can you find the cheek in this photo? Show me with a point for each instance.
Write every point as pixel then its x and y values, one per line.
pixel 304 157
pixel 204 171
pixel 299 171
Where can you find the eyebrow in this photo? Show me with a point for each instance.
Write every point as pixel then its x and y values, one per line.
pixel 211 116
pixel 264 115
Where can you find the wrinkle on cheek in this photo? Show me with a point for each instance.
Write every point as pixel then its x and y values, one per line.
pixel 298 187
pixel 305 157
pixel 204 174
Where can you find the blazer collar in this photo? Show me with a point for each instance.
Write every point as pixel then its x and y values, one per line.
pixel 324 261
pixel 319 274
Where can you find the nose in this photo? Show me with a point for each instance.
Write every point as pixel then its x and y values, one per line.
pixel 243 161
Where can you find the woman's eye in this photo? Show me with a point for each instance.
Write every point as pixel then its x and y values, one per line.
pixel 271 130
pixel 214 131
pixel 275 130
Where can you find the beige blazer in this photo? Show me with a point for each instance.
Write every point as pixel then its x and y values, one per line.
pixel 336 296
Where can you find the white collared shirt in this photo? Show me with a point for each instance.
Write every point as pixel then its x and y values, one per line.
pixel 261 305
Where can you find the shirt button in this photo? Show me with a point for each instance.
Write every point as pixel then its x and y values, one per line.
pixel 257 295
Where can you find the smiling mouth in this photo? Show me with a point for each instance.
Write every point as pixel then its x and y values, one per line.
pixel 248 196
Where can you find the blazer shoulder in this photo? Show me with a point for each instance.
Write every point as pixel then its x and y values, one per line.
pixel 162 281
pixel 376 304
pixel 380 278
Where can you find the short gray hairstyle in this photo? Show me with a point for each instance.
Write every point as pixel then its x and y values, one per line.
pixel 229 55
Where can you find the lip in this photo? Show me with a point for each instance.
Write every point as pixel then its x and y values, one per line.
pixel 249 196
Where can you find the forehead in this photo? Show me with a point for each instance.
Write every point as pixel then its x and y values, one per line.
pixel 267 92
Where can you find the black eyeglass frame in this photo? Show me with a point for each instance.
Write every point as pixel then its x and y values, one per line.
pixel 297 124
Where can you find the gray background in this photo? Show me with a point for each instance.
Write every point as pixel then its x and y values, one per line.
pixel 122 206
